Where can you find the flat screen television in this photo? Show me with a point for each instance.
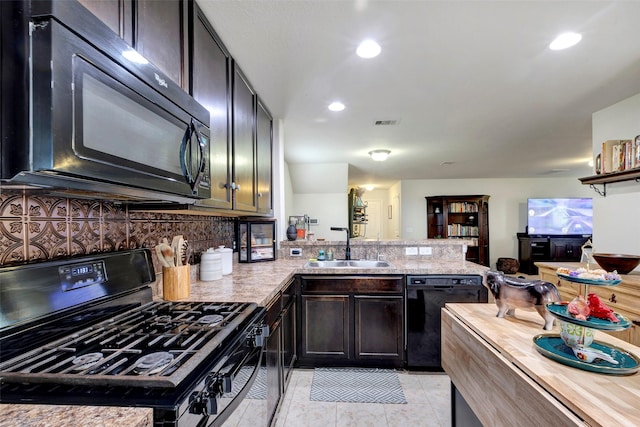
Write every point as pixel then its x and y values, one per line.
pixel 560 216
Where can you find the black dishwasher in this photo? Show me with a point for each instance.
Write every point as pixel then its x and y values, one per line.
pixel 425 296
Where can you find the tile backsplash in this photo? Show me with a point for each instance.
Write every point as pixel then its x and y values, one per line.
pixel 35 227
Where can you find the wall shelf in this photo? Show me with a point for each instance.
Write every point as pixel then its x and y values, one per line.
pixel 608 178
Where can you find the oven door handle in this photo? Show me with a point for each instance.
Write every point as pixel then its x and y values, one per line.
pixel 224 415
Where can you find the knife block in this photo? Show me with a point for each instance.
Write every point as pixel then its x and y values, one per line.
pixel 176 282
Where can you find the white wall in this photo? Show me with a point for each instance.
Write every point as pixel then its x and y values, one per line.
pixel 507 205
pixel 616 217
pixel 320 191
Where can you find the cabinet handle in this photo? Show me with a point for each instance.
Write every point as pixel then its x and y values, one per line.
pixel 612 298
pixel 260 194
pixel 559 283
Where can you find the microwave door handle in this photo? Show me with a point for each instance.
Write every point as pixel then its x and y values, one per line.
pixel 186 157
pixel 202 165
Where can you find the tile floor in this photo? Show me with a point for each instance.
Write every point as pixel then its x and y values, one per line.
pixel 427 395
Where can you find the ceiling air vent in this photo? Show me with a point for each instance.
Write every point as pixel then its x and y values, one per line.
pixel 385 122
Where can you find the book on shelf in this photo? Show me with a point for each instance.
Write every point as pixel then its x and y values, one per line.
pixel 463 207
pixel 618 155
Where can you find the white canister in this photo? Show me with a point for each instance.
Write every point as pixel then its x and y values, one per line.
pixel 210 266
pixel 227 259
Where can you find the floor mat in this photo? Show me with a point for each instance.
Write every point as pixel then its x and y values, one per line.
pixel 359 385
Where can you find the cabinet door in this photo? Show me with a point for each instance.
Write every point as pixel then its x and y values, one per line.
pixel 210 80
pixel 288 326
pixel 264 143
pixel 160 36
pixel 378 328
pixel 273 368
pixel 565 250
pixel 243 143
pixel 116 14
pixel 325 327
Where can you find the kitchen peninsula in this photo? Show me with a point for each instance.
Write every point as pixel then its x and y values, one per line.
pixel 494 365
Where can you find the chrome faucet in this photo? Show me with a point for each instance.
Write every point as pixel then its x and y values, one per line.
pixel 347 253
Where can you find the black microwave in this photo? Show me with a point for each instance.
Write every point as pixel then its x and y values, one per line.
pixel 83 112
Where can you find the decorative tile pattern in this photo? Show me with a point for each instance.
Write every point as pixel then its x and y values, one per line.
pixel 35 226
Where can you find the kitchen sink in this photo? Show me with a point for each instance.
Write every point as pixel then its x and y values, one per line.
pixel 356 263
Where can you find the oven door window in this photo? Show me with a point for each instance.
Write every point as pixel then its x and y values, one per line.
pixel 117 126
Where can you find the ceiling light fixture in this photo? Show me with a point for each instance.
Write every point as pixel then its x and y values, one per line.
pixel 336 106
pixel 368 49
pixel 565 40
pixel 379 155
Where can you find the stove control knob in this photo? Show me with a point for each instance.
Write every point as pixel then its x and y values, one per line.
pixel 203 403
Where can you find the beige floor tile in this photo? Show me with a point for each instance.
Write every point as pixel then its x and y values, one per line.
pixel 310 414
pixel 413 414
pixel 360 415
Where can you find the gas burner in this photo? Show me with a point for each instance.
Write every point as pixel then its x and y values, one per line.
pixel 211 319
pixel 153 363
pixel 86 361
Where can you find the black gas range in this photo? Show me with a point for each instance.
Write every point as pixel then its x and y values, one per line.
pixel 85 331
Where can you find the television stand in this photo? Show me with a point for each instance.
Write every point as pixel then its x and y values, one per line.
pixel 534 248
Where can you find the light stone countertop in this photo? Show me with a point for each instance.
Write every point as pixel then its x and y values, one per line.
pixel 256 282
pixel 18 415
pixel 260 282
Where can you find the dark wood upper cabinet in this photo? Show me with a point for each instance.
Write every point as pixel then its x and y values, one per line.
pixel 243 119
pixel 264 168
pixel 156 29
pixel 159 34
pixel 210 86
pixel 116 14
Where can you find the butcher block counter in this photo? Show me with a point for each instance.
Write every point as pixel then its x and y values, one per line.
pixel 495 366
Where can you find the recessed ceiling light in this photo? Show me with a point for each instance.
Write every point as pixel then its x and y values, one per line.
pixel 336 106
pixel 368 49
pixel 369 187
pixel 379 155
pixel 565 40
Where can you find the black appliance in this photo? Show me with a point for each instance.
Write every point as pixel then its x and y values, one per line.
pixel 425 297
pixel 85 331
pixel 84 113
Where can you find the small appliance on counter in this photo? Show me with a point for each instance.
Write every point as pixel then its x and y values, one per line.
pixel 256 239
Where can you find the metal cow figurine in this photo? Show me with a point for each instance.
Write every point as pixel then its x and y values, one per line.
pixel 512 292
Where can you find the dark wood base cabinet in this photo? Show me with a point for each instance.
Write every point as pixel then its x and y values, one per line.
pixel 280 354
pixel 351 321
